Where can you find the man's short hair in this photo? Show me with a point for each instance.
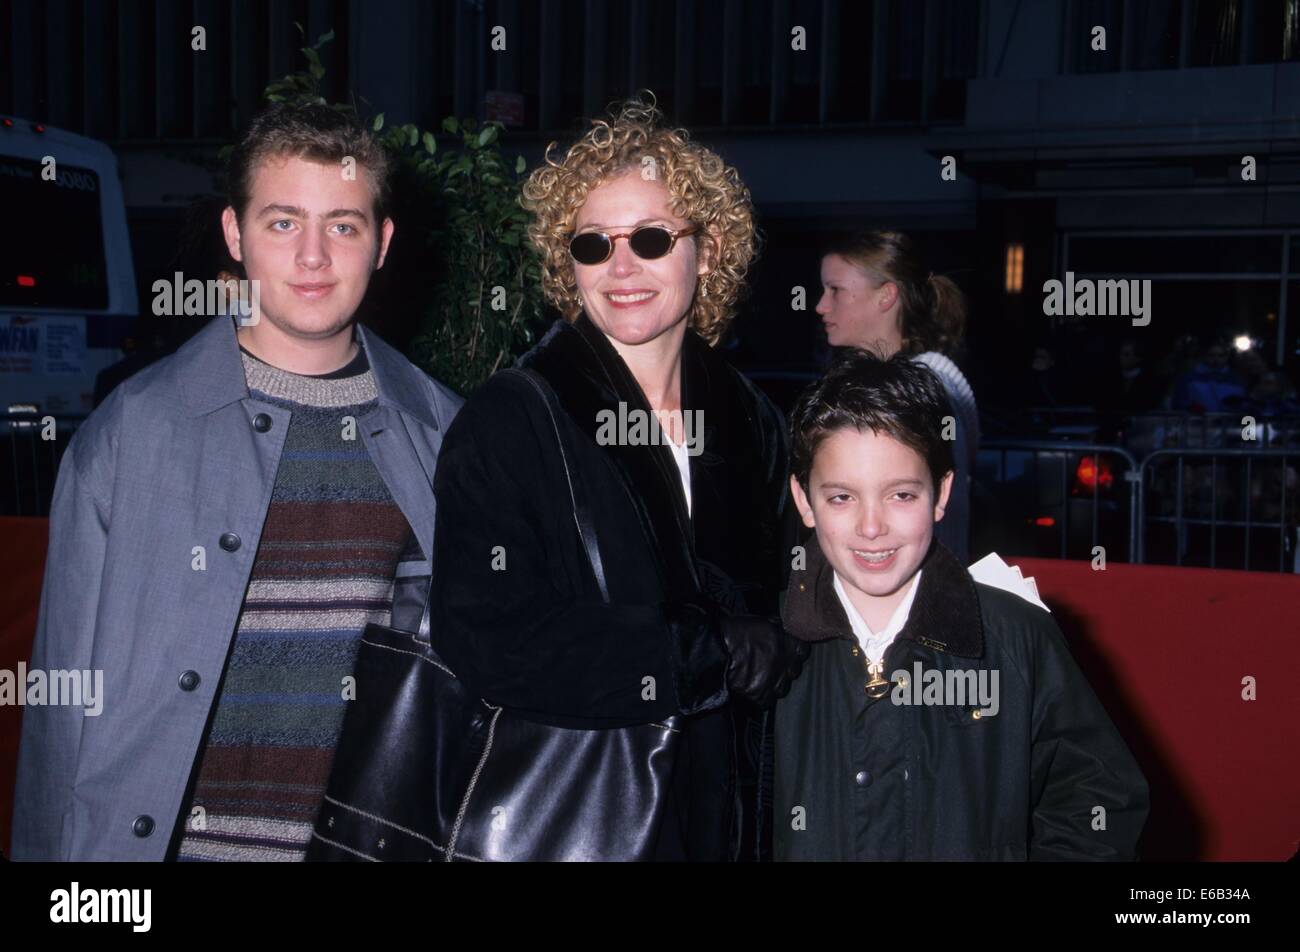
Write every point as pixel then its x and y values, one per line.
pixel 897 397
pixel 313 132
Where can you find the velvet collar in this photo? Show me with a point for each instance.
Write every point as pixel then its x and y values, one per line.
pixel 588 377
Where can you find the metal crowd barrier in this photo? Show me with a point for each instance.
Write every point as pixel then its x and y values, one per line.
pixel 1147 432
pixel 1233 485
pixel 1229 497
pixel 29 462
pixel 1066 453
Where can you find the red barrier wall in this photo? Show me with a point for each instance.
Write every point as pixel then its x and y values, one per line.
pixel 22 564
pixel 1165 648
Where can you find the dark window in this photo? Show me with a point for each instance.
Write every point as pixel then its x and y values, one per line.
pixel 1156 27
pixel 58 258
pixel 905 58
pixel 1216 32
pixel 443 63
pixel 617 53
pixel 755 63
pixel 803 92
pixel 853 102
pixel 661 57
pixel 1211 254
pixel 1276 35
pixel 959 29
pixel 706 110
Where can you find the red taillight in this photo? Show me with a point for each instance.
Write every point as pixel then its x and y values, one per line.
pixel 1045 521
pixel 1093 472
pixel 26 281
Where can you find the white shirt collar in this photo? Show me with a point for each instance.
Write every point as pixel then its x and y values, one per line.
pixel 873 644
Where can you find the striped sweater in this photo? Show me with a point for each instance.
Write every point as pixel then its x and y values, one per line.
pixel 324 569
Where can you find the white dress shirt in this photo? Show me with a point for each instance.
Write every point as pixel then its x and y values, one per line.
pixel 874 645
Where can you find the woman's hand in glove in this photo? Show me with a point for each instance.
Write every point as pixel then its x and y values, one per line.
pixel 764 659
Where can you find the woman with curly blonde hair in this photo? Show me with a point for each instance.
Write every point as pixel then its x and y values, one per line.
pixel 612 513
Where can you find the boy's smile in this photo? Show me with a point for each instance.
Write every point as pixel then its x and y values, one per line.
pixel 871 500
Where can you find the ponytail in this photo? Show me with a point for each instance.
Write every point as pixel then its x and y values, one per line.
pixel 949 315
pixel 932 308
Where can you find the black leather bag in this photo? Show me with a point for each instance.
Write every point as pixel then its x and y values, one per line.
pixel 425 770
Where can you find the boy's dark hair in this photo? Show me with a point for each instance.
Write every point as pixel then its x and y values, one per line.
pixel 313 132
pixel 897 397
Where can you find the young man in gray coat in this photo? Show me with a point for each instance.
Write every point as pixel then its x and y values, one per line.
pixel 226 524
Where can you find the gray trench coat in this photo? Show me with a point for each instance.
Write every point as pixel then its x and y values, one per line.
pixel 178 457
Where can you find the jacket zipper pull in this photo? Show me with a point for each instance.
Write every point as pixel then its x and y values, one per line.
pixel 878 686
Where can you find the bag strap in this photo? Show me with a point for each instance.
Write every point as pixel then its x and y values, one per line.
pixel 577 496
pixel 577 492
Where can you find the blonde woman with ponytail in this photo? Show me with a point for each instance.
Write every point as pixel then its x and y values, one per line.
pixel 878 296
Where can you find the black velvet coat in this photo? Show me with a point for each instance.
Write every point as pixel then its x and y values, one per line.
pixel 516 610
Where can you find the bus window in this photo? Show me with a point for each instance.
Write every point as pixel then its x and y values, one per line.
pixel 58 259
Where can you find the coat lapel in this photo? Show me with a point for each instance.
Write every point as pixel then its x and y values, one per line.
pixel 589 377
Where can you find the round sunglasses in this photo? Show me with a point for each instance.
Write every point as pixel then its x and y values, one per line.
pixel 649 242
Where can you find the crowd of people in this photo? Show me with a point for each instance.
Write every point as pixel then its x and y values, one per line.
pixel 1195 376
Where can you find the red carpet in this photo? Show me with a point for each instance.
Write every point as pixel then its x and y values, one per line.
pixel 1165 648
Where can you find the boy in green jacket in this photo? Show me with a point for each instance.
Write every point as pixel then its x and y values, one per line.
pixel 937 718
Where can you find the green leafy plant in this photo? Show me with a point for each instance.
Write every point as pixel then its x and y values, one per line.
pixel 461 276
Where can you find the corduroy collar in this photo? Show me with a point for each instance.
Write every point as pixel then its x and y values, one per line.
pixel 945 614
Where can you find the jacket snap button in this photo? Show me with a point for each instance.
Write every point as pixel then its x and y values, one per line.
pixel 229 541
pixel 977 714
pixel 863 779
pixel 142 826
pixel 189 680
pixel 261 423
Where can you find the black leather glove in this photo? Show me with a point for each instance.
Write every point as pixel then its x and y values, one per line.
pixel 764 659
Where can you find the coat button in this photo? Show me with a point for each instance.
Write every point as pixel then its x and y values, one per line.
pixel 976 714
pixel 142 826
pixel 863 779
pixel 189 680
pixel 229 541
pixel 261 423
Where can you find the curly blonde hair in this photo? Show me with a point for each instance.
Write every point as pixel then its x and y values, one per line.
pixel 702 189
